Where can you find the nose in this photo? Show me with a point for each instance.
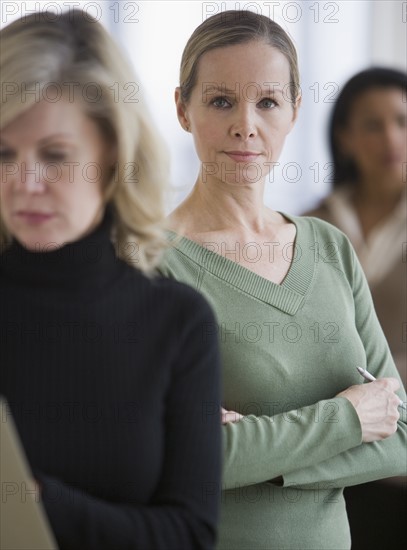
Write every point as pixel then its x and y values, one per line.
pixel 244 123
pixel 394 135
pixel 30 177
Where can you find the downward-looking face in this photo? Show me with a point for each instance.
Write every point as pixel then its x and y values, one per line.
pixel 240 111
pixel 53 164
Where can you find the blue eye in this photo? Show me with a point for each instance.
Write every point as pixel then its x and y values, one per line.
pixel 267 103
pixel 220 102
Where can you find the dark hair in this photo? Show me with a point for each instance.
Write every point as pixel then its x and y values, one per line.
pixel 345 170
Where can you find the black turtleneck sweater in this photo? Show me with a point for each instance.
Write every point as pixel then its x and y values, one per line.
pixel 113 381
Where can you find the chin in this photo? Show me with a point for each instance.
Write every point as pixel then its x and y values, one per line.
pixel 39 246
pixel 393 175
pixel 246 176
pixel 41 243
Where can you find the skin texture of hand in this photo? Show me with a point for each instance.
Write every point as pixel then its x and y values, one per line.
pixel 230 416
pixel 377 407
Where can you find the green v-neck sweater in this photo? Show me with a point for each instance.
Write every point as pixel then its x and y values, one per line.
pixel 287 350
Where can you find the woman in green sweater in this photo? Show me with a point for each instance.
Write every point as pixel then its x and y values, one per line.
pixel 293 311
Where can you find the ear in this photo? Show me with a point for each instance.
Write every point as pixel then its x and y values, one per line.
pixel 296 108
pixel 181 110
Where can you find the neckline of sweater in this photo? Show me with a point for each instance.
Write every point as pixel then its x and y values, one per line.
pixel 86 264
pixel 286 296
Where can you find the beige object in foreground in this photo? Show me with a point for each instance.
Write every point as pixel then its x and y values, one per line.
pixel 23 522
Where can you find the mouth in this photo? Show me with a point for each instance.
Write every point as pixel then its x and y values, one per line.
pixel 243 156
pixel 392 159
pixel 34 217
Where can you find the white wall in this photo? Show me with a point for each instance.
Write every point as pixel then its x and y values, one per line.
pixel 389 33
pixel 334 39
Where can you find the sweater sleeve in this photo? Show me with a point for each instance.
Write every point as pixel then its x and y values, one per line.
pixel 369 461
pixel 183 512
pixel 258 449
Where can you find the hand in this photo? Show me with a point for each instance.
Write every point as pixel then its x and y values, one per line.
pixel 230 416
pixel 377 407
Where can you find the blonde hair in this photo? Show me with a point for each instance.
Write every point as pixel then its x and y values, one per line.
pixel 75 53
pixel 227 29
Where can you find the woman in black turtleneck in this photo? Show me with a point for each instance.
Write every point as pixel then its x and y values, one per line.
pixel 111 375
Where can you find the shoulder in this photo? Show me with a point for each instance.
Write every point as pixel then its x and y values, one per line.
pixel 175 296
pixel 311 226
pixel 161 303
pixel 180 291
pixel 182 260
pixel 328 244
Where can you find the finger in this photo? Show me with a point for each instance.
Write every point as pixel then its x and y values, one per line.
pixel 390 383
pixel 393 405
pixel 226 418
pixel 230 416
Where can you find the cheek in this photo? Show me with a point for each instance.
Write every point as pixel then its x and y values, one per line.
pixel 276 131
pixel 79 194
pixel 87 196
pixel 369 145
pixel 5 200
pixel 289 121
pixel 4 206
pixel 207 138
pixel 275 135
pixel 80 215
pixel 402 140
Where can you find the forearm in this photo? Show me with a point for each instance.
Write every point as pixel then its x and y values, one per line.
pixel 80 520
pixel 258 449
pixel 367 462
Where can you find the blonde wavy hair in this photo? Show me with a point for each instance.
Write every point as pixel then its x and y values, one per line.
pixel 74 53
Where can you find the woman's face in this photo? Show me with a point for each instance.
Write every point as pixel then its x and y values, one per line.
pixel 240 112
pixel 376 136
pixel 53 162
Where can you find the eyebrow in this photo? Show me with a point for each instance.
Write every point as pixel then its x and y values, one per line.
pixel 42 141
pixel 55 136
pixel 225 90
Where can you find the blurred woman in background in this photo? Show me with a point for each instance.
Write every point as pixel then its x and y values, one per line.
pixel 368 143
